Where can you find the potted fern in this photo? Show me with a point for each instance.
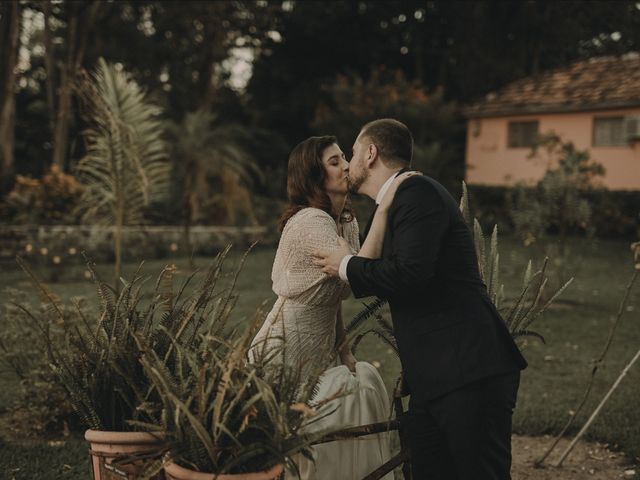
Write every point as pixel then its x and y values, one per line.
pixel 225 418
pixel 169 375
pixel 100 365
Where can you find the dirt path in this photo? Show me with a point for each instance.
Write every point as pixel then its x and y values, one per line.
pixel 588 461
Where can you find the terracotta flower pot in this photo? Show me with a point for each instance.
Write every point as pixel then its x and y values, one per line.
pixel 173 471
pixel 107 447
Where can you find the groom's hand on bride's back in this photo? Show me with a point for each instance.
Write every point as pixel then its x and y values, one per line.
pixel 329 260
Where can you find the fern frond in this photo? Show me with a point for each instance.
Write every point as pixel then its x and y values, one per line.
pixel 369 310
pixel 47 297
pixel 390 341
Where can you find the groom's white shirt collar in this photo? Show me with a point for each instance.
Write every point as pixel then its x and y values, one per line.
pixel 342 269
pixel 385 186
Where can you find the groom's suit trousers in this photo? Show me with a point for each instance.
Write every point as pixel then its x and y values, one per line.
pixel 465 434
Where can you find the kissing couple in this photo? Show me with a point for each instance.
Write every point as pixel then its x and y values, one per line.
pixel 459 362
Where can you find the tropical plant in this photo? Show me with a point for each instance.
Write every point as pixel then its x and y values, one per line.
pixel 126 166
pixel 528 304
pixel 98 364
pixel 221 414
pixel 218 412
pixel 178 365
pixel 206 149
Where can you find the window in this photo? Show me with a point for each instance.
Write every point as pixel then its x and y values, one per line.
pixel 608 132
pixel 522 134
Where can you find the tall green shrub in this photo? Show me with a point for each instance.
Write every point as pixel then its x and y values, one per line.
pixel 559 201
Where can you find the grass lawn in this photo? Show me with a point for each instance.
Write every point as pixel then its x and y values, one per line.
pixel 575 331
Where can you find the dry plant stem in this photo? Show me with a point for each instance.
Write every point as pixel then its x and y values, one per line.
pixel 597 410
pixel 360 431
pixel 396 461
pixel 594 370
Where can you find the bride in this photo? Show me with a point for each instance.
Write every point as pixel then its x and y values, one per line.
pixel 305 322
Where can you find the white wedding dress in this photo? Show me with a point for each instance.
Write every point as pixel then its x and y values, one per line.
pixel 302 323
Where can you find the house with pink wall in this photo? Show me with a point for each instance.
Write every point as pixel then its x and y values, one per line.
pixel 593 103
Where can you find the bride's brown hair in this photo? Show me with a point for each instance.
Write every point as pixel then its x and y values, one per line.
pixel 305 180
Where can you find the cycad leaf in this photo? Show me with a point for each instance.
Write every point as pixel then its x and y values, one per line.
pixel 126 165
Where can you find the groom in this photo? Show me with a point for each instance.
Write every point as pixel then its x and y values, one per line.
pixel 458 358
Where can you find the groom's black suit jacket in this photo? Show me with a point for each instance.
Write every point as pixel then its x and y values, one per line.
pixel 448 331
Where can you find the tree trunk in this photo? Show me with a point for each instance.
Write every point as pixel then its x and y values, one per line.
pixel 215 53
pixel 61 132
pixel 538 41
pixel 418 57
pixel 49 66
pixel 205 81
pixel 9 41
pixel 81 20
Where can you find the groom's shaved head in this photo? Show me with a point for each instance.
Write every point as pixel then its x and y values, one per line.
pixel 392 139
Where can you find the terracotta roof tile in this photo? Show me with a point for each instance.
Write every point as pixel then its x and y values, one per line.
pixel 601 82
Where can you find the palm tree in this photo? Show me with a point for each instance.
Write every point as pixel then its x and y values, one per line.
pixel 126 165
pixel 203 148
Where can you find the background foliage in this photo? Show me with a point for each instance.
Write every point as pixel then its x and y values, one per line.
pixel 257 76
pixel 284 70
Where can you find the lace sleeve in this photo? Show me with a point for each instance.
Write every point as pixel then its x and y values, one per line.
pixel 294 274
pixel 352 235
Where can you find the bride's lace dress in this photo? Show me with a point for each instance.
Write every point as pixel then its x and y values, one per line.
pixel 302 323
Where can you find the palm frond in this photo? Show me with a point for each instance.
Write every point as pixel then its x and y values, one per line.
pixel 125 167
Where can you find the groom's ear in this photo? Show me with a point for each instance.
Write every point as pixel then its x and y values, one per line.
pixel 372 154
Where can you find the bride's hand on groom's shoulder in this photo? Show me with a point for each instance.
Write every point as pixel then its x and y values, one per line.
pixel 391 193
